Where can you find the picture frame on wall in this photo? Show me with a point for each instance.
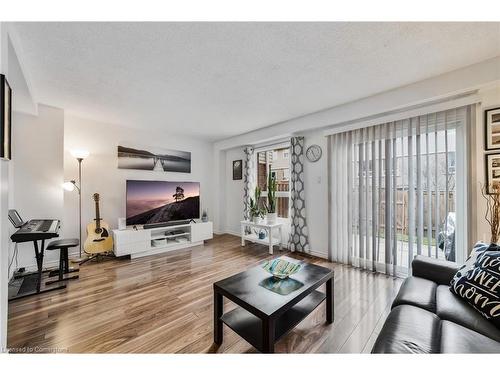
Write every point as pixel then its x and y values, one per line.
pixel 154 159
pixel 492 170
pixel 5 118
pixel 237 169
pixel 492 128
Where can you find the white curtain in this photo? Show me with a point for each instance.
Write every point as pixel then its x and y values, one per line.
pixel 393 190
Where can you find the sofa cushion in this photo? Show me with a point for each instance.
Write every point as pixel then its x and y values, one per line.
pixel 417 292
pixel 480 287
pixel 458 339
pixel 438 270
pixel 453 308
pixel 409 329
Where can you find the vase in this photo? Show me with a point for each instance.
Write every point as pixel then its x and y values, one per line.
pixel 271 217
pixel 256 220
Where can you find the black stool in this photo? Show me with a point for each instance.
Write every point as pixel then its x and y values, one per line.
pixel 63 246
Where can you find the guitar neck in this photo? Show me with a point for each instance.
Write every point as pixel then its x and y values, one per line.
pixel 97 215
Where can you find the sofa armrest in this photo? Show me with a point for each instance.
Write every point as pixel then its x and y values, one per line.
pixel 437 270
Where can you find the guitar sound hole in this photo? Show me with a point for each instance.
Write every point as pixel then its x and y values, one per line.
pixel 98 230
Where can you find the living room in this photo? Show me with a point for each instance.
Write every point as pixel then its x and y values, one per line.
pixel 249 187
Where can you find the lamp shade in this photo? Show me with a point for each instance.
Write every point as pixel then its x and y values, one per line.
pixel 80 154
pixel 68 186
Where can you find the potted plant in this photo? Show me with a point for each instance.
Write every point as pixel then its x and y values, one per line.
pixel 256 212
pixel 271 199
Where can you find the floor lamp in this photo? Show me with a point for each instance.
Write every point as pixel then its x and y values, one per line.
pixel 79 155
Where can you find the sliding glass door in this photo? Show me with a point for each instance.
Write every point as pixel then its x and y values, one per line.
pixel 394 192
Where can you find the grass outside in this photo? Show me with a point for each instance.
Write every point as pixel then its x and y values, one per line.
pixel 405 238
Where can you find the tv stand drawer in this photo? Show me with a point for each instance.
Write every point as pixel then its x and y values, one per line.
pixel 131 235
pixel 131 241
pixel 201 231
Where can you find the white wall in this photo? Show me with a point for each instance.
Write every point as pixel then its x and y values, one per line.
pixel 316 185
pixel 316 196
pixel 490 98
pixel 233 193
pixel 11 67
pixel 482 77
pixel 37 160
pixel 42 162
pixel 4 202
pixel 101 173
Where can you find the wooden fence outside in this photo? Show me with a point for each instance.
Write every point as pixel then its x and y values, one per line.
pixel 402 209
pixel 282 203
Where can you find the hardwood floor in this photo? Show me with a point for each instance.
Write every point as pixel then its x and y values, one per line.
pixel 163 304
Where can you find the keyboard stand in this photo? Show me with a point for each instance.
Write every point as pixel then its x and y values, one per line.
pixel 39 253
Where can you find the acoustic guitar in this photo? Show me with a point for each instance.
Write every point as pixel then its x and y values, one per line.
pixel 98 237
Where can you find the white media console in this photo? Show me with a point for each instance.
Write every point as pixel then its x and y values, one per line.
pixel 142 242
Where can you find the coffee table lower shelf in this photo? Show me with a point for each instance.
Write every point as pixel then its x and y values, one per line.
pixel 249 327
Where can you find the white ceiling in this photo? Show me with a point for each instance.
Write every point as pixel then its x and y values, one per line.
pixel 216 80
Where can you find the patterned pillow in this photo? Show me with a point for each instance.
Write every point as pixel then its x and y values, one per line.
pixel 480 286
pixel 478 249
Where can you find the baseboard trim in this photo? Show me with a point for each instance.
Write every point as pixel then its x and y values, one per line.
pixel 319 255
pixel 313 253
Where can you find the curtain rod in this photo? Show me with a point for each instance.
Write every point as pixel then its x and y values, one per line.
pixel 456 101
pixel 282 142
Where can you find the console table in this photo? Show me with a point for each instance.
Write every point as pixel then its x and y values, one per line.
pixel 270 228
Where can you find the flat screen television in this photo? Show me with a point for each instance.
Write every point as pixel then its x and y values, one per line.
pixel 153 202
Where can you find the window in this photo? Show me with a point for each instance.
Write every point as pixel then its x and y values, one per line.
pixel 286 176
pixel 278 162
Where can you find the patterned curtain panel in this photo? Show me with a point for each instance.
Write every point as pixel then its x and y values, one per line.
pixel 299 235
pixel 249 181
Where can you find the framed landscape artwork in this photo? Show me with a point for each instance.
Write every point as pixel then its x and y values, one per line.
pixel 492 128
pixel 154 159
pixel 5 118
pixel 492 170
pixel 237 170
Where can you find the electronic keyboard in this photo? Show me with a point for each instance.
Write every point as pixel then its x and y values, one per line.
pixel 37 229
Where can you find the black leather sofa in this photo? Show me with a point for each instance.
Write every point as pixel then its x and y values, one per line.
pixel 427 318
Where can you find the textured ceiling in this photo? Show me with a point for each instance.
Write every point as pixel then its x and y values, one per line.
pixel 216 80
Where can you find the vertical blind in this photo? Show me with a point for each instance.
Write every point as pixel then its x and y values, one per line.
pixel 393 190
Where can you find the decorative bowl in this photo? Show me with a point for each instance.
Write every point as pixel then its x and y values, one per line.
pixel 281 268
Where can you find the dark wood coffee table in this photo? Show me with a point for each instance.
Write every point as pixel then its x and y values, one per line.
pixel 265 316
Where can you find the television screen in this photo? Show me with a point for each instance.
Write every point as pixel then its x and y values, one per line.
pixel 150 202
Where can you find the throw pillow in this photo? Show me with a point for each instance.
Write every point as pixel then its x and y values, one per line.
pixel 478 249
pixel 480 286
